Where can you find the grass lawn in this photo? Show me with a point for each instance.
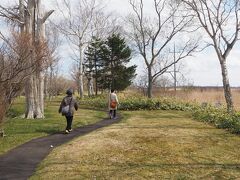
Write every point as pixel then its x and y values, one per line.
pixel 20 130
pixel 147 145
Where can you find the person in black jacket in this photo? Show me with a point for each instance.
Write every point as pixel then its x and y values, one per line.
pixel 70 103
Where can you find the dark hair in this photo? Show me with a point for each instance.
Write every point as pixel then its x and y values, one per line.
pixel 112 90
pixel 69 92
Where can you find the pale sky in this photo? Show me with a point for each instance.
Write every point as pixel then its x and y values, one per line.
pixel 203 69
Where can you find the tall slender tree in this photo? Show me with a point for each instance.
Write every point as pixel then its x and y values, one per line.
pixel 220 20
pixel 76 27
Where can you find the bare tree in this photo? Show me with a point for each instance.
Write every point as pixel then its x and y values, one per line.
pixel 154 34
pixel 30 17
pixel 14 68
pixel 79 23
pixel 220 20
pixel 104 23
pixel 75 25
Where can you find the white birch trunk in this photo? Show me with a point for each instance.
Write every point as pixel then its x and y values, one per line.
pixel 90 86
pixel 21 15
pixel 226 86
pixel 81 72
pixel 37 112
pixel 41 92
pixel 39 81
pixel 29 87
pixel 46 86
pixel 29 114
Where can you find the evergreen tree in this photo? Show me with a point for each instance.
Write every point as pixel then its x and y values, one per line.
pixel 116 55
pixel 107 63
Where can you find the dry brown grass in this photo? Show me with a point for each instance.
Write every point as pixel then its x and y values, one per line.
pixel 156 145
pixel 202 94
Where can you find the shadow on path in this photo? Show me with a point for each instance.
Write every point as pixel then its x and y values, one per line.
pixel 21 162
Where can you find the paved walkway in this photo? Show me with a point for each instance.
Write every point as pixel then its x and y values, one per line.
pixel 21 162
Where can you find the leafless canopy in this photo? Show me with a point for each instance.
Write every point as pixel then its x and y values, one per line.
pixel 10 14
pixel 14 55
pixel 220 19
pixel 154 36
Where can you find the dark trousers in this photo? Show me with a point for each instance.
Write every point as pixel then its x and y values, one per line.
pixel 112 113
pixel 69 122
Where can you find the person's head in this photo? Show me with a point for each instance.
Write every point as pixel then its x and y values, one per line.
pixel 69 92
pixel 112 90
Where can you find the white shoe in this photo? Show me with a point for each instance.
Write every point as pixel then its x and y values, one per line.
pixel 66 131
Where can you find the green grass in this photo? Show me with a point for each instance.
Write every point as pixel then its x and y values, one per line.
pixel 19 130
pixel 147 145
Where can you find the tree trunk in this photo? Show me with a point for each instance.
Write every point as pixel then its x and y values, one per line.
pixel 226 86
pixel 39 76
pixel 29 87
pixel 3 108
pixel 34 89
pixel 80 72
pixel 21 15
pixel 51 91
pixel 90 86
pixel 96 87
pixel 150 82
pixel 46 86
pixel 39 95
pixel 96 78
pixel 29 114
pixel 41 92
pixel 37 110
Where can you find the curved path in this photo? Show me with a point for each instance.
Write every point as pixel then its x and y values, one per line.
pixel 21 162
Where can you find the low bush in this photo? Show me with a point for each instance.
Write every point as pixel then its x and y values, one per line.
pixel 138 103
pixel 96 102
pixel 217 116
pixel 153 104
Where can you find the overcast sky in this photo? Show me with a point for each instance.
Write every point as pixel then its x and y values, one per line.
pixel 203 69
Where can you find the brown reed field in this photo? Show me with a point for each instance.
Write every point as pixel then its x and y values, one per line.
pixel 212 95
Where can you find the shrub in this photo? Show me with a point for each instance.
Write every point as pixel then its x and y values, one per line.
pixel 218 117
pixel 139 103
pixel 207 113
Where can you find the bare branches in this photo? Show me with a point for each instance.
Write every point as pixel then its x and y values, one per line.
pixel 76 20
pixel 220 19
pixel 187 50
pixel 152 36
pixel 46 15
pixel 10 14
pixel 15 55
